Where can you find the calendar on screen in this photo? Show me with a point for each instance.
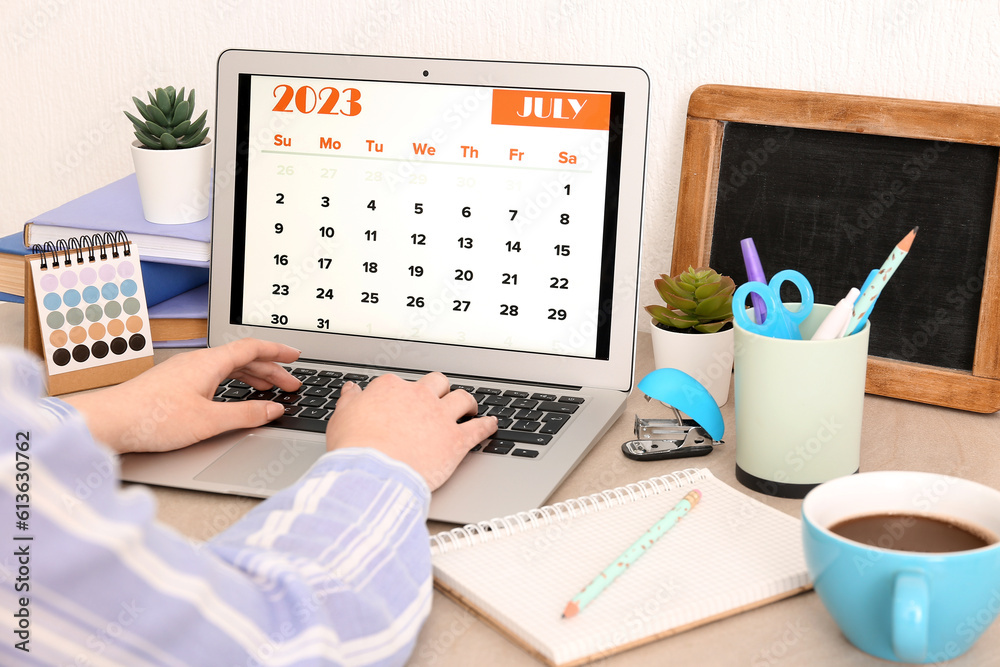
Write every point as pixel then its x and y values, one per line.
pixel 454 214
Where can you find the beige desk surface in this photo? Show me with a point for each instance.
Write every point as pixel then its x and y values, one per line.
pixel 896 435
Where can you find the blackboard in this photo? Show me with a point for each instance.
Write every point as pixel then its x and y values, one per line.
pixel 838 202
pixel 828 184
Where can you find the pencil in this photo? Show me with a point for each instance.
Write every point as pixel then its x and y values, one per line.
pixel 889 267
pixel 632 554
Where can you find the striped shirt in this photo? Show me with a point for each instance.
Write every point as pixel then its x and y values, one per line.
pixel 333 570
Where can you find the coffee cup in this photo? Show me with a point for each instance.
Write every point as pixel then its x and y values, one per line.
pixel 905 606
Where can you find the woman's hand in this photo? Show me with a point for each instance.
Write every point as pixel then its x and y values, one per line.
pixel 170 406
pixel 412 422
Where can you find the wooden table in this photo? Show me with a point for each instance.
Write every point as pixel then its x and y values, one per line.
pixel 897 435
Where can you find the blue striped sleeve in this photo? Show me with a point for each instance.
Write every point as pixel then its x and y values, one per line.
pixel 333 570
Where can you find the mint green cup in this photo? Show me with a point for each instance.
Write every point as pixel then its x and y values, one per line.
pixel 799 405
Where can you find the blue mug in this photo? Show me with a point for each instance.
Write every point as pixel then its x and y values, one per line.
pixel 901 605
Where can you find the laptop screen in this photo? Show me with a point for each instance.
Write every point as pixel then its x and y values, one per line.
pixel 456 214
pixel 476 217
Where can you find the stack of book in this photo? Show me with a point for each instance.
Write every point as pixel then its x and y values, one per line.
pixel 174 258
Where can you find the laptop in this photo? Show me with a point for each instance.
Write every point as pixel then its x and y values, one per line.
pixel 404 215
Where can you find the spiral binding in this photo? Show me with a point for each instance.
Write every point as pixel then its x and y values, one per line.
pixel 78 244
pixel 484 531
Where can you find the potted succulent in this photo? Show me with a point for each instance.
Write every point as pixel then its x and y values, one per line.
pixel 693 332
pixel 172 156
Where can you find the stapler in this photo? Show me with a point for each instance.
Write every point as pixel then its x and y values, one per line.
pixel 678 437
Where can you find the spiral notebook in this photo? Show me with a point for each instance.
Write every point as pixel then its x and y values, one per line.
pixel 731 553
pixel 85 311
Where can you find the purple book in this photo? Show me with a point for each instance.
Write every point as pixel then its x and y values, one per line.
pixel 192 304
pixel 168 344
pixel 117 206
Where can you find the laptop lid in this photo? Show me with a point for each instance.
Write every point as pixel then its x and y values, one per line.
pixel 476 217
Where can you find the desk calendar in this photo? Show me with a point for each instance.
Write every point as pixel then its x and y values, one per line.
pixel 85 311
pixel 455 214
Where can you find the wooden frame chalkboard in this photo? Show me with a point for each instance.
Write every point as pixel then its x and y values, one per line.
pixel 827 184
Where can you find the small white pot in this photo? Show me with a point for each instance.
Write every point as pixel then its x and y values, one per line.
pixel 175 185
pixel 707 357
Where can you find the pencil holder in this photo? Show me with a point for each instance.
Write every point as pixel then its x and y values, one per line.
pixel 798 407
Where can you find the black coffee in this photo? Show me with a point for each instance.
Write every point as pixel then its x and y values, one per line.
pixel 913 532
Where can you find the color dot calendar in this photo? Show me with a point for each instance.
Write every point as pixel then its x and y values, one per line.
pixel 453 214
pixel 91 309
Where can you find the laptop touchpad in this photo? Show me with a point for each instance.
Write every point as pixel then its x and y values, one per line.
pixel 263 462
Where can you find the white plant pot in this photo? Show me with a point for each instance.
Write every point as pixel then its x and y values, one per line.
pixel 174 185
pixel 708 358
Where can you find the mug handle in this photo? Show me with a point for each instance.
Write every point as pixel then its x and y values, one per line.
pixel 910 622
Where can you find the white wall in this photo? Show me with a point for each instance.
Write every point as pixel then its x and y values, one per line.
pixel 70 66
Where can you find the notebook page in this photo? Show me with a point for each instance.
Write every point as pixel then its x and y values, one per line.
pixel 730 551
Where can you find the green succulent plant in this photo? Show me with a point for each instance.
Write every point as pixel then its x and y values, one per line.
pixel 167 123
pixel 698 299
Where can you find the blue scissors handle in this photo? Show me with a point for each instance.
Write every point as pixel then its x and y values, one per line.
pixel 780 321
pixel 769 327
pixel 805 294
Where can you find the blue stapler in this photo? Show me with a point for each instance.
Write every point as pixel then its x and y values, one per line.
pixel 676 438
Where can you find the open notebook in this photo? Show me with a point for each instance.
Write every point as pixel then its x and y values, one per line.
pixel 730 554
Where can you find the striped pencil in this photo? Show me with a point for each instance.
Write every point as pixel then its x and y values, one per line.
pixel 632 554
pixel 889 267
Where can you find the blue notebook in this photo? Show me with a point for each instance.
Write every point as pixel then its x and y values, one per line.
pixel 12 245
pixel 162 281
pixel 12 268
pixel 165 281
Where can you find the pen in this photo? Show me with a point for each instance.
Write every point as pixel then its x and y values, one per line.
pixel 867 298
pixel 632 554
pixel 755 273
pixel 835 323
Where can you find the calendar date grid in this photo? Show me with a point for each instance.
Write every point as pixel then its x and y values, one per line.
pixel 372 282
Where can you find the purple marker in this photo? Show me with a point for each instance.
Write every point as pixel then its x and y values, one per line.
pixel 755 273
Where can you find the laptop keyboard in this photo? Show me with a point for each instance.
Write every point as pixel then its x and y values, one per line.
pixel 527 421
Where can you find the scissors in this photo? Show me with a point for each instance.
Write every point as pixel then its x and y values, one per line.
pixel 780 322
